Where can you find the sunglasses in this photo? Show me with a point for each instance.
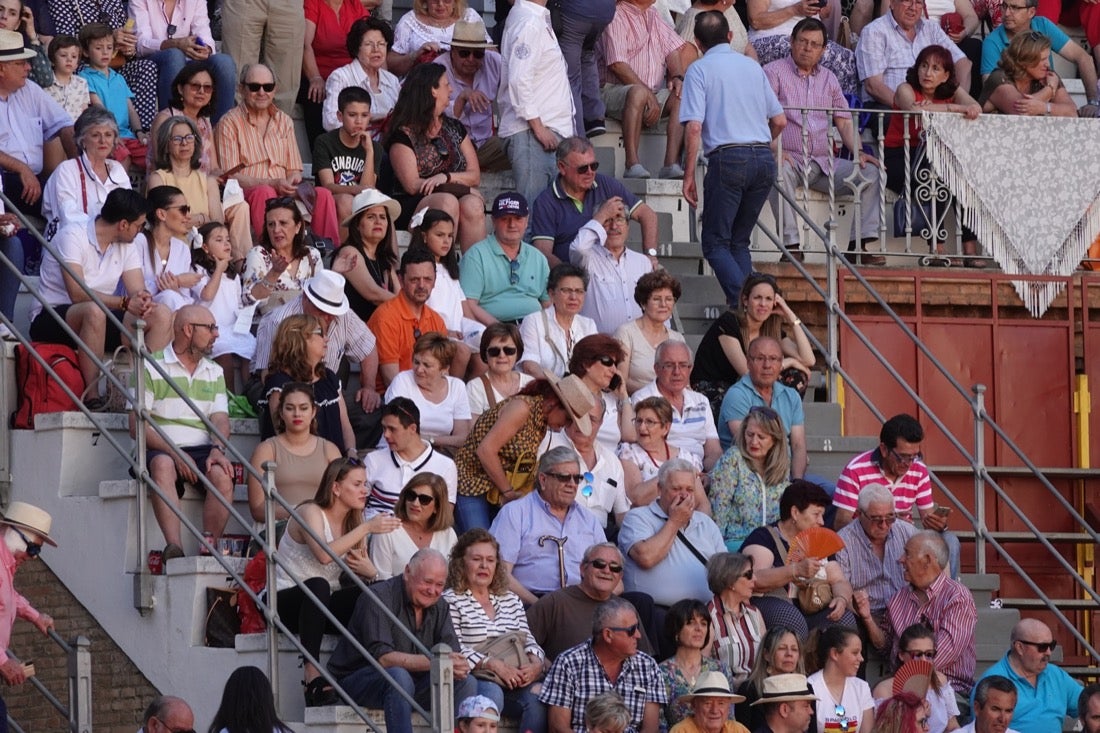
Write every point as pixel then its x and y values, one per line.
pixel 1041 646
pixel 628 630
pixel 607 361
pixel 567 478
pixel 465 53
pixel 605 565
pixel 196 87
pixel 34 549
pixel 495 351
pixel 513 272
pixel 254 86
pixel 922 654
pixel 424 499
pixel 593 166
pixel 838 711
pixel 183 209
pixel 747 575
pixel 588 489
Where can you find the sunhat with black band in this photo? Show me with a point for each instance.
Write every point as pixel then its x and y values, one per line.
pixel 712 684
pixel 785 688
pixel 576 398
pixel 326 291
pixel 22 515
pixel 12 48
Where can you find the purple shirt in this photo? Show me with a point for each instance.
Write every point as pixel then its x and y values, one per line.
pixel 486 81
pixel 819 88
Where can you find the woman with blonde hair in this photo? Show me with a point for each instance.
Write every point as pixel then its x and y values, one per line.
pixel 426 521
pixel 749 478
pixel 1023 82
pixel 426 32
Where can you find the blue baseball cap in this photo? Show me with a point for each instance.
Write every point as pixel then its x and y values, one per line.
pixel 510 203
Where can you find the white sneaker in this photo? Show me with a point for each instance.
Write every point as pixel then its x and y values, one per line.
pixel 673 171
pixel 637 171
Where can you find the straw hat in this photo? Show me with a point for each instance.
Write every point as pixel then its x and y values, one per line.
pixel 369 198
pixel 470 34
pixel 785 688
pixel 12 48
pixel 326 291
pixel 712 684
pixel 25 516
pixel 576 398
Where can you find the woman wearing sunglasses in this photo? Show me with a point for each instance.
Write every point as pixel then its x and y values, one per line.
pixel 736 626
pixel 595 360
pixel 426 521
pixel 919 642
pixel 483 610
pixel 501 348
pixel 165 257
pixel 276 270
pixel 844 701
pixel 688 630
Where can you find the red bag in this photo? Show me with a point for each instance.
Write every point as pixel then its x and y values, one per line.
pixel 38 392
pixel 255 577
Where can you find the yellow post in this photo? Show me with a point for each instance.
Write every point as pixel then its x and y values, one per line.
pixel 840 401
pixel 1086 551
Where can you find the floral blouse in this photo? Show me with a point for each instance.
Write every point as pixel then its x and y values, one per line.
pixel 258 264
pixel 435 155
pixel 740 499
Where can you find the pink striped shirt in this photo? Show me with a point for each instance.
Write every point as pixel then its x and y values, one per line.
pixel 639 39
pixel 819 88
pixel 914 487
pixel 12 604
pixel 951 614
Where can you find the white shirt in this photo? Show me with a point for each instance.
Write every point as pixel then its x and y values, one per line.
pixel 74 194
pixel 545 341
pixel 77 245
pixel 533 78
pixel 410 34
pixel 969 728
pixel 387 474
pixel 178 263
pixel 447 298
pixel 225 306
pixel 436 418
pixel 353 75
pixel 606 493
pixel 611 282
pixel 479 401
pixel 690 428
pixel 856 701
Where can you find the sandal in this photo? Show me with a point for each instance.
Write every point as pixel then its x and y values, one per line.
pixel 319 693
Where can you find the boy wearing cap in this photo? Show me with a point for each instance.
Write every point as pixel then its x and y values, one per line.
pixel 503 274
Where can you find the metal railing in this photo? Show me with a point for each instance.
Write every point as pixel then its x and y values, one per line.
pixel 441 713
pixel 78 708
pixel 985 476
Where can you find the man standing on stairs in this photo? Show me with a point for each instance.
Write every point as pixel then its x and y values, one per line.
pixel 187 444
pixel 24 529
pixel 1047 694
pixel 730 110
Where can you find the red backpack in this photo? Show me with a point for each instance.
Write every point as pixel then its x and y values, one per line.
pixel 38 392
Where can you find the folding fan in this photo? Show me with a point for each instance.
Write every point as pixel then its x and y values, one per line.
pixel 914 676
pixel 815 542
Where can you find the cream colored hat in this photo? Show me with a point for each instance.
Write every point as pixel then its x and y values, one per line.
pixel 470 34
pixel 785 688
pixel 369 198
pixel 576 398
pixel 12 48
pixel 712 684
pixel 26 516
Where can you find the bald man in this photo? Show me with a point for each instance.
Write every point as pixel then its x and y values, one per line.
pixel 179 445
pixel 166 714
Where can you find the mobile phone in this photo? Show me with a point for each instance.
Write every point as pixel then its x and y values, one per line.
pixel 942 511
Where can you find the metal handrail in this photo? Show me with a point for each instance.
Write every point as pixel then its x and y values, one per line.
pixel 78 711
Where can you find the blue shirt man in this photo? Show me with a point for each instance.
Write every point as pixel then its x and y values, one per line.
pixel 729 108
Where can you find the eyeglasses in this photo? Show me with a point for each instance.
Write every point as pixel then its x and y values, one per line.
pixel 424 499
pixel 172 730
pixel 254 86
pixel 628 630
pixel 747 575
pixel 930 654
pixel 280 202
pixel 495 351
pixel 183 139
pixel 588 489
pixel 593 166
pixel 570 291
pixel 905 458
pixel 646 422
pixel 566 478
pixel 764 411
pixel 34 549
pixel 884 519
pixel 513 272
pixel 207 326
pixel 183 209
pixel 1040 646
pixel 465 53
pixel 605 565
pixel 197 87
pixel 607 361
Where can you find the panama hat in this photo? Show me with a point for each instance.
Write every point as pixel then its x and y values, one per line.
pixel 785 688
pixel 470 34
pixel 369 198
pixel 326 291
pixel 26 516
pixel 12 48
pixel 712 684
pixel 576 398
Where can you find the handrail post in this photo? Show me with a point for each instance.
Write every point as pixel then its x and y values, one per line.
pixel 443 689
pixel 143 577
pixel 80 685
pixel 979 478
pixel 272 612
pixel 832 328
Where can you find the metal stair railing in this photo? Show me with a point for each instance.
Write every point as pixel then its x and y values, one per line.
pixel 78 711
pixel 982 475
pixel 442 713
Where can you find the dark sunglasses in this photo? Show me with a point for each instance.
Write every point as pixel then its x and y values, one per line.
pixel 254 86
pixel 922 654
pixel 566 478
pixel 607 361
pixel 465 53
pixel 495 351
pixel 183 209
pixel 747 575
pixel 593 166
pixel 1041 646
pixel 628 630
pixel 34 549
pixel 424 499
pixel 838 710
pixel 605 565
pixel 766 412
pixel 280 202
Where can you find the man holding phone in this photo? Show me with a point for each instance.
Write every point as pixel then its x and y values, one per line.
pixel 898 464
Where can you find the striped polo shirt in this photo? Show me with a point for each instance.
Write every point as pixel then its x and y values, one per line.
pixel 206 388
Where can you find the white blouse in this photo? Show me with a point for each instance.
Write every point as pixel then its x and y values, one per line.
pixel 547 344
pixel 410 34
pixel 436 418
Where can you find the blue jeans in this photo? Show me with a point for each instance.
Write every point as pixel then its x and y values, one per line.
pixel 368 688
pixel 735 188
pixel 532 166
pixel 471 512
pixel 522 703
pixel 577 38
pixel 171 60
pixel 11 248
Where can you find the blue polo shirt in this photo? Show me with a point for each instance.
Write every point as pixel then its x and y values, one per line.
pixel 997 41
pixel 485 273
pixel 1040 709
pixel 114 93
pixel 743 395
pixel 558 216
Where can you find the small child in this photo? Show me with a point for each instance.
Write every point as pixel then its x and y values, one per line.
pixel 220 291
pixel 109 90
pixel 70 90
pixel 346 160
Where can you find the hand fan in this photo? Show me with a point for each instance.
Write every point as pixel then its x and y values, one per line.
pixel 914 676
pixel 815 542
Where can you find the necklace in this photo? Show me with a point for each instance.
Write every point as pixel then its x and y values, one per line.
pixel 668 455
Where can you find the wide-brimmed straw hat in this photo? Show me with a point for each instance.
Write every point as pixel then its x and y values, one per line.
pixel 576 398
pixel 326 291
pixel 785 688
pixel 470 34
pixel 29 517
pixel 711 684
pixel 12 48
pixel 369 198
